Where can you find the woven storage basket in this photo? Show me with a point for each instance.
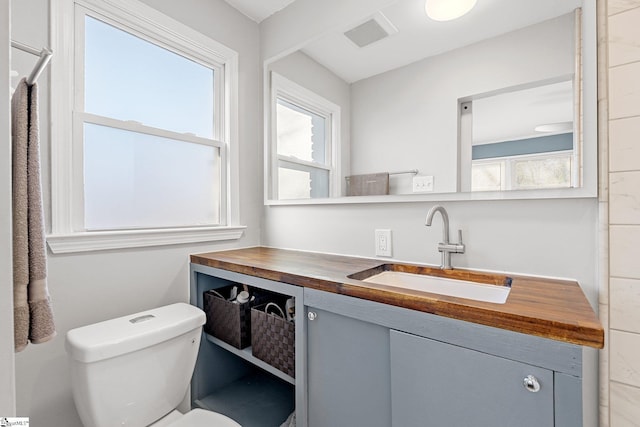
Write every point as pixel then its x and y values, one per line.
pixel 273 340
pixel 227 321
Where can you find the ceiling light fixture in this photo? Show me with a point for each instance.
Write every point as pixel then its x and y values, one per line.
pixel 447 10
pixel 555 127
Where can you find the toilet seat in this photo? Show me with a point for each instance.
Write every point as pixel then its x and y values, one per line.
pixel 203 418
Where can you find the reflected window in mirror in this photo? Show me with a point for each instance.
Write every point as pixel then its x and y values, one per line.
pixel 549 170
pixel 304 129
pixel 522 138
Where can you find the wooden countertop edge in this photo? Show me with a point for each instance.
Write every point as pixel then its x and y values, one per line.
pixel 588 332
pixel 591 335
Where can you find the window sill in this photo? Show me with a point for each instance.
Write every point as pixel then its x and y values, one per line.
pixel 122 239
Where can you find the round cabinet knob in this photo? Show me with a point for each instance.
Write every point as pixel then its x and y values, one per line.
pixel 531 384
pixel 312 315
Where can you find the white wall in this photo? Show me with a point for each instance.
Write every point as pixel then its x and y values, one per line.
pixel 91 287
pixel 7 384
pixel 407 118
pixel 540 237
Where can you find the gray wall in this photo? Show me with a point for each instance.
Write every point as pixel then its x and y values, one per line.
pixel 91 287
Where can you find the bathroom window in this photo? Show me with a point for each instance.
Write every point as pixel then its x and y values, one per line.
pixel 151 147
pixel 303 142
pixel 150 126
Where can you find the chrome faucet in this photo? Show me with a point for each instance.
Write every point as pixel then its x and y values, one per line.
pixel 446 247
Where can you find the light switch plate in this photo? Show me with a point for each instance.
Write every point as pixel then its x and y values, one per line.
pixel 422 183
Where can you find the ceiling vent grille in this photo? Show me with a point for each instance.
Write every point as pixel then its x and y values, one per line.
pixel 371 31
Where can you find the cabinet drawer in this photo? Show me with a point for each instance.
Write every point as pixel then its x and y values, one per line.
pixel 439 384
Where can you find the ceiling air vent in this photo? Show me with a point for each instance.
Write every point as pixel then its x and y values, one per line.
pixel 371 31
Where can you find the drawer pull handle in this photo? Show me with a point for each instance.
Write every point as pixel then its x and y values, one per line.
pixel 312 315
pixel 531 384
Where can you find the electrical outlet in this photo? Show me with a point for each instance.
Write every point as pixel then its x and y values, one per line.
pixel 383 242
pixel 422 183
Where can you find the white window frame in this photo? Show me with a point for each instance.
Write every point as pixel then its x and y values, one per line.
pixel 67 216
pixel 281 87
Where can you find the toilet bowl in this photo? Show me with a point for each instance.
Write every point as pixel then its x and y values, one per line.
pixel 135 370
pixel 195 418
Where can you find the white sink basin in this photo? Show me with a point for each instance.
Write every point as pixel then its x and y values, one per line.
pixel 443 286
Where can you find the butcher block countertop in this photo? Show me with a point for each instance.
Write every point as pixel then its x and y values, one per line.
pixel 548 308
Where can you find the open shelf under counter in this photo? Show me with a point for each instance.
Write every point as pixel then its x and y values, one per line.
pixel 255 400
pixel 246 354
pixel 234 382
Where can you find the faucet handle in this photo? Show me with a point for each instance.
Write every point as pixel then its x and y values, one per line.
pixel 460 245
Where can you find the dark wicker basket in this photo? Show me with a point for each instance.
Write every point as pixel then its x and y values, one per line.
pixel 273 340
pixel 227 321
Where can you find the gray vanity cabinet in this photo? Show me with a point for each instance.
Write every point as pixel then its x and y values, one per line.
pixel 347 371
pixel 439 384
pixel 372 364
pixel 364 363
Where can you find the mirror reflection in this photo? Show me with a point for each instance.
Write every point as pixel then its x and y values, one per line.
pixel 398 103
pixel 522 139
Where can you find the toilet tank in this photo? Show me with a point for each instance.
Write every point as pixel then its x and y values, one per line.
pixel 135 369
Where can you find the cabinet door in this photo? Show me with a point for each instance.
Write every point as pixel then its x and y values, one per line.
pixel 438 384
pixel 348 372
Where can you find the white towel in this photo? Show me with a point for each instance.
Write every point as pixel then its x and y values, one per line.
pixel 33 316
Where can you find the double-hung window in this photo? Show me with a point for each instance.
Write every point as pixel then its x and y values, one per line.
pixel 304 142
pixel 150 130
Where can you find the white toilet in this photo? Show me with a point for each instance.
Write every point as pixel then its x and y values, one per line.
pixel 135 370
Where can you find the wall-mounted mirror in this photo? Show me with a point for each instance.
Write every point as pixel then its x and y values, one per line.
pixel 395 105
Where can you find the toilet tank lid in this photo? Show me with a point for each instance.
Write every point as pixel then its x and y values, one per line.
pixel 126 334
